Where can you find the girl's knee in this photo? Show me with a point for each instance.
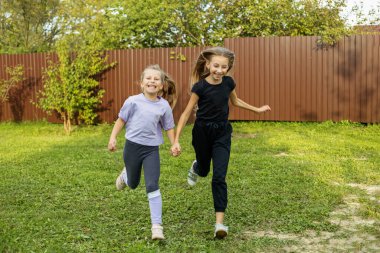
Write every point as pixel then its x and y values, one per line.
pixel 151 187
pixel 203 173
pixel 218 180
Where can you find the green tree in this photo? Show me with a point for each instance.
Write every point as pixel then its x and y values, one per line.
pixel 364 18
pixel 261 18
pixel 32 26
pixel 167 23
pixel 121 24
pixel 70 87
pixel 94 22
pixel 28 26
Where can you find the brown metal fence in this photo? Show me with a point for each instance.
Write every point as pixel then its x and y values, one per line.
pixel 19 106
pixel 300 81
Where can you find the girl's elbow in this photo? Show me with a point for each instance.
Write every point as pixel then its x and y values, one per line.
pixel 234 103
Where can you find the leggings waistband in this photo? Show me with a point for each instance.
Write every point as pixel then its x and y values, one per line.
pixel 219 124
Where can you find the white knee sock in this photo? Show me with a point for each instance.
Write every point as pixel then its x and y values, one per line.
pixel 155 205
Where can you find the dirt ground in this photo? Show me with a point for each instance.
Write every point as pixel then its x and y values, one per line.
pixel 355 233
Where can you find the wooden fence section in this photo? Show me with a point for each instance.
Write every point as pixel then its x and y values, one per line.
pixel 300 81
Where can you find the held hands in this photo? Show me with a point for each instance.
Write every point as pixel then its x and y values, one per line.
pixel 264 108
pixel 112 144
pixel 175 149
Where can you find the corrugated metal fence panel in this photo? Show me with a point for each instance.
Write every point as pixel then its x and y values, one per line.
pixel 3 107
pixel 302 82
pixel 19 106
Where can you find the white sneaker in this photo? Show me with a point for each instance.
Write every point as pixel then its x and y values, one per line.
pixel 120 184
pixel 192 177
pixel 157 232
pixel 221 231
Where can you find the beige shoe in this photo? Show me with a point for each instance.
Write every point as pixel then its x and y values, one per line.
pixel 120 184
pixel 157 232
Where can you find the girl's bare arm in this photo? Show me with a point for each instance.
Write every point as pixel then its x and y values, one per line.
pixel 240 103
pixel 183 120
pixel 119 125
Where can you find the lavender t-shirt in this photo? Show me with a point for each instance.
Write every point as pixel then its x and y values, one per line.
pixel 145 119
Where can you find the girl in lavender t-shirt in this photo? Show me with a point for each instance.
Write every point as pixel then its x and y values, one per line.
pixel 144 116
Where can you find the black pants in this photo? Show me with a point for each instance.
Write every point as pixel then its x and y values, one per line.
pixel 137 156
pixel 213 141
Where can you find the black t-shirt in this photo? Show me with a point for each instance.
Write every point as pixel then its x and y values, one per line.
pixel 213 99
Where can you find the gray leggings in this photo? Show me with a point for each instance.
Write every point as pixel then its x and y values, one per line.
pixel 137 156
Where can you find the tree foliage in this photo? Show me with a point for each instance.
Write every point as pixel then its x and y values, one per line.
pixel 31 26
pixel 364 18
pixel 70 86
pixel 170 23
pixel 261 18
pixel 28 26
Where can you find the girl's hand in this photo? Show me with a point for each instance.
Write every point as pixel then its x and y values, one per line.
pixel 112 145
pixel 176 149
pixel 264 108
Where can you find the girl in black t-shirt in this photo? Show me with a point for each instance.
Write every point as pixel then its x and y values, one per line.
pixel 211 133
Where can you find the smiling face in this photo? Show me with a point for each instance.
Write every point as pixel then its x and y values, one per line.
pixel 151 82
pixel 218 67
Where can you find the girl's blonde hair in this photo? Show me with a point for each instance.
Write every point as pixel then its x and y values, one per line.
pixel 200 71
pixel 169 90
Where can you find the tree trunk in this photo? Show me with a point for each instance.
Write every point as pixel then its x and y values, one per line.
pixel 66 123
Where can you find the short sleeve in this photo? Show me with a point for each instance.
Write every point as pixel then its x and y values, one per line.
pixel 232 83
pixel 167 121
pixel 127 110
pixel 197 89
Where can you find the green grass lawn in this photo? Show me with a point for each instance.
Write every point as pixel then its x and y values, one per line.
pixel 286 181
